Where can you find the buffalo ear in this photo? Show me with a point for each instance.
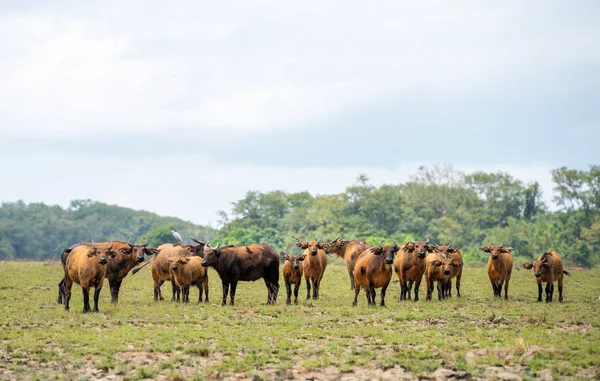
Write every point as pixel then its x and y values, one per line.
pixel 432 249
pixel 286 257
pixel 301 258
pixel 217 253
pixel 302 245
pixel 186 260
pixel 151 251
pixel 457 264
pixel 436 263
pixel 527 265
pixel 124 251
pixel 485 248
pixel 548 265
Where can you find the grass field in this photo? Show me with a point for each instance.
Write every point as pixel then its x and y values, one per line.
pixel 475 336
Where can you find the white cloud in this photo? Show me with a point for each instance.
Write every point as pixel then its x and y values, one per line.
pixel 148 65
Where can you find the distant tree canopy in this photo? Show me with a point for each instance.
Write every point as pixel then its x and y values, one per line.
pixel 38 231
pixel 438 203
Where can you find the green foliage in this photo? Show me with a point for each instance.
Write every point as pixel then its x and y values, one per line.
pixel 39 231
pixel 438 203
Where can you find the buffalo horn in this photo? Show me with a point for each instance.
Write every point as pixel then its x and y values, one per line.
pixel 145 242
pixel 382 241
pixel 217 247
pixel 94 246
pixel 111 245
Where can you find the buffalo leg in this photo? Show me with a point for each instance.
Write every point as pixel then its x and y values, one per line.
pixel 157 291
pixel 61 291
pixel 500 288
pixel 440 291
pixel 429 286
pixel 383 290
pixel 232 293
pixel 449 289
pixel 86 299
pixel 372 289
pixel 539 292
pixel 288 289
pixel 176 291
pixel 552 292
pixel 296 288
pixel 560 289
pixel 356 292
pixel 494 288
pixel 200 289
pixel 402 291
pixel 96 297
pixel 68 285
pixel 458 284
pixel 315 288
pixel 505 289
pixel 417 284
pixel 308 280
pixel 409 291
pixel 368 294
pixel 225 291
pixel 351 274
pixel 115 286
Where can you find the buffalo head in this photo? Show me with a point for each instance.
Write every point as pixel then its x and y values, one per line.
pixel 295 260
pixel 496 250
pixel 211 254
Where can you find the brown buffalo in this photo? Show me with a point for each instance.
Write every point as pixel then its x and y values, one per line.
pixel 438 268
pixel 349 252
pixel 374 270
pixel 188 271
pixel 127 257
pixel 409 266
pixel 161 268
pixel 86 266
pixel 548 268
pixel 292 275
pixel 455 254
pixel 314 265
pixel 244 263
pixel 499 267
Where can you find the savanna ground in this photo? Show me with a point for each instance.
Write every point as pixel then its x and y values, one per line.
pixel 475 336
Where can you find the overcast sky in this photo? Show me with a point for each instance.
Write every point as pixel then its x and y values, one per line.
pixel 181 107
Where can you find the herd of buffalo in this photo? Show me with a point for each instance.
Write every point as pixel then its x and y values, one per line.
pixel 368 267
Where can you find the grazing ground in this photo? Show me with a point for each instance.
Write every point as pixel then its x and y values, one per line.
pixel 476 336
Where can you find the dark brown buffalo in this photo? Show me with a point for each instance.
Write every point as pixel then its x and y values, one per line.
pixel 374 270
pixel 349 251
pixel 86 266
pixel 409 266
pixel 244 263
pixel 499 267
pixel 548 268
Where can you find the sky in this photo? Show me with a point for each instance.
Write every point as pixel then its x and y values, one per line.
pixel 181 107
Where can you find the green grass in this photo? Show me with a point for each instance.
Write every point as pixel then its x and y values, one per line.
pixel 328 338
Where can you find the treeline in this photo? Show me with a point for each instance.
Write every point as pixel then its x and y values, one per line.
pixel 439 203
pixel 38 231
pixel 446 206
